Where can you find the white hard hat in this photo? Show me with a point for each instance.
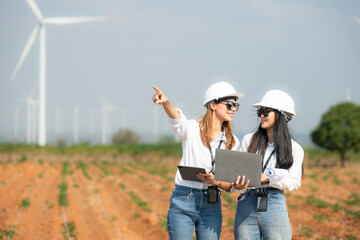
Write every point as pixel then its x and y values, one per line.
pixel 220 90
pixel 279 100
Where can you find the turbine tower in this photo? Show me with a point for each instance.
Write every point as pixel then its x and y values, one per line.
pixel 106 122
pixel 40 29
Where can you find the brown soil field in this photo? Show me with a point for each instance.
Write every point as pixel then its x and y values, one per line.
pixel 123 197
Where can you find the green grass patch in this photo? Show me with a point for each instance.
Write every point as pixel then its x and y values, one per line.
pixel 231 222
pixel 230 201
pixel 82 166
pixel 144 178
pixel 320 217
pixel 336 180
pixel 306 231
pixel 70 226
pixel 292 206
pixel 122 186
pixel 163 222
pixel 136 215
pixel 137 200
pixel 25 203
pixel 319 203
pixel 299 197
pixel 353 199
pixel 336 207
pixel 354 214
pixel 66 169
pixel 113 218
pixel 350 237
pixel 102 168
pixel 7 233
pixel 313 175
pixel 22 159
pixel 125 170
pixel 63 201
pixel 164 189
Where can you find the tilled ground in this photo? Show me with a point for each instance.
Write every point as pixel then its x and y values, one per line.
pixel 129 198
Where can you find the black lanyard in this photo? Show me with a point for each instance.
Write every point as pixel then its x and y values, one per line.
pixel 267 161
pixel 213 159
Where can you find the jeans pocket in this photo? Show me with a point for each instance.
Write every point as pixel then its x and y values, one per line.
pixel 180 195
pixel 242 196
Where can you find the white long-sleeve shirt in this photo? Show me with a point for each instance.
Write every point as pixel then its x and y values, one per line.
pixel 284 179
pixel 195 153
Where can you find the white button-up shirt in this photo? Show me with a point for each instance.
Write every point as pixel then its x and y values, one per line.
pixel 284 179
pixel 195 153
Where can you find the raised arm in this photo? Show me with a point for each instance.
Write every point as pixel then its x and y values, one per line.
pixel 160 98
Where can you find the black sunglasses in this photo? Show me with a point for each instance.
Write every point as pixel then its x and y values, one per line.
pixel 264 111
pixel 231 105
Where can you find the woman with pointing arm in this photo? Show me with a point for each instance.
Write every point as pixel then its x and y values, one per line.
pixel 190 205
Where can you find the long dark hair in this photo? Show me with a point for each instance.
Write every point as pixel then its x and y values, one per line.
pixel 282 142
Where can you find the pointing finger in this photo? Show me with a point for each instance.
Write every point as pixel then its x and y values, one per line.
pixel 157 90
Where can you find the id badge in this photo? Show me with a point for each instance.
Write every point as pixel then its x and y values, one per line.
pixel 261 202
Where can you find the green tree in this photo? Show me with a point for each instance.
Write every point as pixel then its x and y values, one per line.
pixel 339 129
pixel 125 137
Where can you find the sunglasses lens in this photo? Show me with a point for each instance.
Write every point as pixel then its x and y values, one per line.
pixel 261 111
pixel 232 105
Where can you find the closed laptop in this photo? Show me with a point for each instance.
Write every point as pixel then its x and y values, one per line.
pixel 230 164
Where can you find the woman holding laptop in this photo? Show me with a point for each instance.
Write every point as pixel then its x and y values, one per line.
pixel 261 212
pixel 196 204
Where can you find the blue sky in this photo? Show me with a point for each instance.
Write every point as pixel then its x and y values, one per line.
pixel 310 49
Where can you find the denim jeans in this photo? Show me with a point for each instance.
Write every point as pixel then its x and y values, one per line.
pixel 272 224
pixel 188 209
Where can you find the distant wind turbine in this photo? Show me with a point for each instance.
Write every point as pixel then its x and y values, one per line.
pixel 348 95
pixel 16 123
pixel 40 30
pixel 106 121
pixel 76 125
pixel 30 118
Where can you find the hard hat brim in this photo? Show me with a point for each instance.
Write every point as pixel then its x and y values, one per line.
pixel 237 95
pixel 263 104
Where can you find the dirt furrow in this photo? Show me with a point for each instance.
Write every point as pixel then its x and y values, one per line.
pixel 124 210
pixel 13 193
pixel 44 209
pixel 84 209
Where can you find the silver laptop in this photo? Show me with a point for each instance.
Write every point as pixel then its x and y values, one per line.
pixel 230 164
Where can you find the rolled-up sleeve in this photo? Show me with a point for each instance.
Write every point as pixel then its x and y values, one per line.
pixel 180 125
pixel 290 179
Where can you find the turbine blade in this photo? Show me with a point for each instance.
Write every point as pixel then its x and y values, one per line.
pixel 26 50
pixel 72 20
pixel 35 9
pixel 357 20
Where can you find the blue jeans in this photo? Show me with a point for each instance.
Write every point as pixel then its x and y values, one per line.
pixel 272 224
pixel 188 209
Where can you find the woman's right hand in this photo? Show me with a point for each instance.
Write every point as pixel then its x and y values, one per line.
pixel 240 185
pixel 159 97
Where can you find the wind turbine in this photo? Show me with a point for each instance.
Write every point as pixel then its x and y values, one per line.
pixel 76 125
pixel 30 118
pixel 16 123
pixel 40 30
pixel 106 121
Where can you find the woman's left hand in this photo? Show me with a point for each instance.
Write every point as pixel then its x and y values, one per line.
pixel 264 178
pixel 207 178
